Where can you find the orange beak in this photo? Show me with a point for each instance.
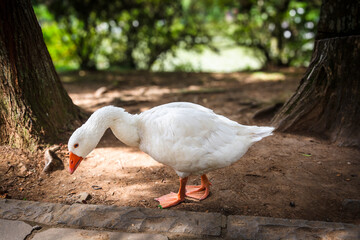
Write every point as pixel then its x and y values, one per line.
pixel 74 162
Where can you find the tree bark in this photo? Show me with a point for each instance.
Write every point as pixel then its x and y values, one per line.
pixel 327 101
pixel 34 106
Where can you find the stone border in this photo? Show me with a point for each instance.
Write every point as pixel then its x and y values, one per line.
pixel 243 227
pixel 170 222
pixel 127 219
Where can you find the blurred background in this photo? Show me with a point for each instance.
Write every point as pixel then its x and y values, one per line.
pixel 184 35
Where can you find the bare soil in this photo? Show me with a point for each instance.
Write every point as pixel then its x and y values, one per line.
pixel 285 175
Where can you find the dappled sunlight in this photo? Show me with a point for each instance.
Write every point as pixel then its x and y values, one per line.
pixel 82 99
pixel 146 93
pixel 134 191
pixel 235 95
pixel 119 158
pixel 265 77
pixel 90 102
pixel 129 90
pixel 253 77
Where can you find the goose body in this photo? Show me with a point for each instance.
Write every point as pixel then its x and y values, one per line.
pixel 191 139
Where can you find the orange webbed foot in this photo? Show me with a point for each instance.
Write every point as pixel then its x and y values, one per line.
pixel 199 192
pixel 173 199
pixel 169 200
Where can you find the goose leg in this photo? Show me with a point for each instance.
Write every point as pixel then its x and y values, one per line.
pixel 199 192
pixel 173 199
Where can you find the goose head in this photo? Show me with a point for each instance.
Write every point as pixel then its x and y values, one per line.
pixel 80 144
pixel 85 138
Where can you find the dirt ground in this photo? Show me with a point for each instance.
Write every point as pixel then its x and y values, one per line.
pixel 285 175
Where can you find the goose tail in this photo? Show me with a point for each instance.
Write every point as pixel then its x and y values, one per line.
pixel 258 133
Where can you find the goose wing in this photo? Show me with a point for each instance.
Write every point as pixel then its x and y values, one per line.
pixel 191 138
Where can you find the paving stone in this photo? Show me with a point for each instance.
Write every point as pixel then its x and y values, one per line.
pixel 243 227
pixel 79 234
pixel 127 219
pixel 14 230
pixel 169 222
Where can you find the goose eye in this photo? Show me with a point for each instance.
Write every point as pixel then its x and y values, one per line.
pixel 76 145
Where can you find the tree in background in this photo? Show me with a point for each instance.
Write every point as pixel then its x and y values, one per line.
pixel 129 34
pixel 135 34
pixel 34 106
pixel 159 27
pixel 282 30
pixel 327 102
pixel 82 24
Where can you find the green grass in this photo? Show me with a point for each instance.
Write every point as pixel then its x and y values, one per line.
pixel 227 60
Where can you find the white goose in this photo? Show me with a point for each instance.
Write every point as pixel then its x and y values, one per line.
pixel 192 139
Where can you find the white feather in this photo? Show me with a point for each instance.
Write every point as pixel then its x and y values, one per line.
pixel 188 137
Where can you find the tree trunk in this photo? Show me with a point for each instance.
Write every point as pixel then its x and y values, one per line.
pixel 327 102
pixel 34 106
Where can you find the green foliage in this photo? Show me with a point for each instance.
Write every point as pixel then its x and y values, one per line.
pixel 128 34
pixel 59 45
pixel 132 34
pixel 283 30
pixel 80 25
